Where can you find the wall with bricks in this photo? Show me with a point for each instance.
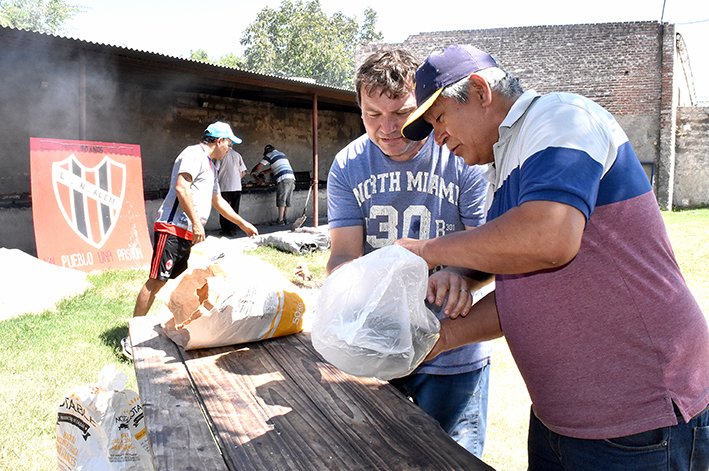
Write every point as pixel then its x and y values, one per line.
pixel 692 161
pixel 40 98
pixel 628 68
pixel 163 111
pixel 615 64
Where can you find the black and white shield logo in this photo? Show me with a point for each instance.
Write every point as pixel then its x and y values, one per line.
pixel 90 198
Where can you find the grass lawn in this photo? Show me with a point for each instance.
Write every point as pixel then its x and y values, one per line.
pixel 689 233
pixel 43 356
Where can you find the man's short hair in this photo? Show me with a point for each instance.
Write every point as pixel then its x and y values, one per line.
pixel 500 81
pixel 387 71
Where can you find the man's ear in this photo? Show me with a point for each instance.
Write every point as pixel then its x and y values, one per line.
pixel 481 89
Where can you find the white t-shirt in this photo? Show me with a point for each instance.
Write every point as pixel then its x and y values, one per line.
pixel 230 169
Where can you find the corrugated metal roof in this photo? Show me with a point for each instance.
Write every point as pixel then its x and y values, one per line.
pixel 206 77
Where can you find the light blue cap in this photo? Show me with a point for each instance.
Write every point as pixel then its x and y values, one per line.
pixel 222 130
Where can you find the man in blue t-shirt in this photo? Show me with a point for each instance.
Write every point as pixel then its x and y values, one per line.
pixel 382 187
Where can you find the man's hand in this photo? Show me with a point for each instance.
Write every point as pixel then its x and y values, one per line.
pixel 481 324
pixel 446 283
pixel 198 232
pixel 250 229
pixel 415 246
pixel 228 212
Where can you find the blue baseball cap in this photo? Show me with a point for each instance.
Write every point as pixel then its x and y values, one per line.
pixel 222 130
pixel 439 70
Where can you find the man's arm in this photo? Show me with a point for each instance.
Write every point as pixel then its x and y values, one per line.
pixel 184 196
pixel 537 235
pixel 257 169
pixel 345 245
pixel 458 284
pixel 225 209
pixel 482 323
pixel 240 165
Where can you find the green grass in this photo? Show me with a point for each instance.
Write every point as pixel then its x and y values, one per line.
pixel 689 234
pixel 44 356
pixel 286 263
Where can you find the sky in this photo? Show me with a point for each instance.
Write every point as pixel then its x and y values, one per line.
pixel 174 27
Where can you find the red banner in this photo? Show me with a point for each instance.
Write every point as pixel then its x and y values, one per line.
pixel 87 204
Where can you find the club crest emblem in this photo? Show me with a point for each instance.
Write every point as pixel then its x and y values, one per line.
pixel 90 198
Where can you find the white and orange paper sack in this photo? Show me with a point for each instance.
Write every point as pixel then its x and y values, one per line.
pixel 101 427
pixel 242 299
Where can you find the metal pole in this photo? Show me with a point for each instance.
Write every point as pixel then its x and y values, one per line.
pixel 82 96
pixel 315 160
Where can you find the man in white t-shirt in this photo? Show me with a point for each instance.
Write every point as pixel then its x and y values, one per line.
pixel 231 170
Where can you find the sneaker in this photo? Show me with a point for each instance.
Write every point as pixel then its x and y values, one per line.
pixel 127 348
pixel 282 223
pixel 278 222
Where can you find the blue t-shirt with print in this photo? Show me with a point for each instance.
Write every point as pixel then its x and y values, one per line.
pixel 432 194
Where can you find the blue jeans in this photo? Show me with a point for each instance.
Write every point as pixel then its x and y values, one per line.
pixel 469 431
pixel 457 402
pixel 680 447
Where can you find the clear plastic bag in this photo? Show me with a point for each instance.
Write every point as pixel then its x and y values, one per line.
pixel 371 318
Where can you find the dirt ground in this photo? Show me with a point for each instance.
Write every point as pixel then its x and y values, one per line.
pixel 28 284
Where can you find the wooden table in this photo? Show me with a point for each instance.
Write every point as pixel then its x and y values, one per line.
pixel 277 405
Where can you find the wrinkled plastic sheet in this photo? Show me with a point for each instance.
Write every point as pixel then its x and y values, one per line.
pixel 299 241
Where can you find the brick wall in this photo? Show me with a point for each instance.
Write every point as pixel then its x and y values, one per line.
pixel 692 162
pixel 618 65
pixel 625 67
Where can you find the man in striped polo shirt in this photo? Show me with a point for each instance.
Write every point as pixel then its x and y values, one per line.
pixel 611 343
pixel 276 162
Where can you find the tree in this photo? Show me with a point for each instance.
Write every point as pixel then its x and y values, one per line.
pixel 231 60
pixel 44 16
pixel 199 55
pixel 299 40
pixel 367 32
pixel 227 60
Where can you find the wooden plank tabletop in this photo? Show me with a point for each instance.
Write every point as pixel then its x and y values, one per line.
pixel 180 437
pixel 277 405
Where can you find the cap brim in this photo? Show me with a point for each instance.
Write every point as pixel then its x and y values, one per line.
pixel 235 140
pixel 416 128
